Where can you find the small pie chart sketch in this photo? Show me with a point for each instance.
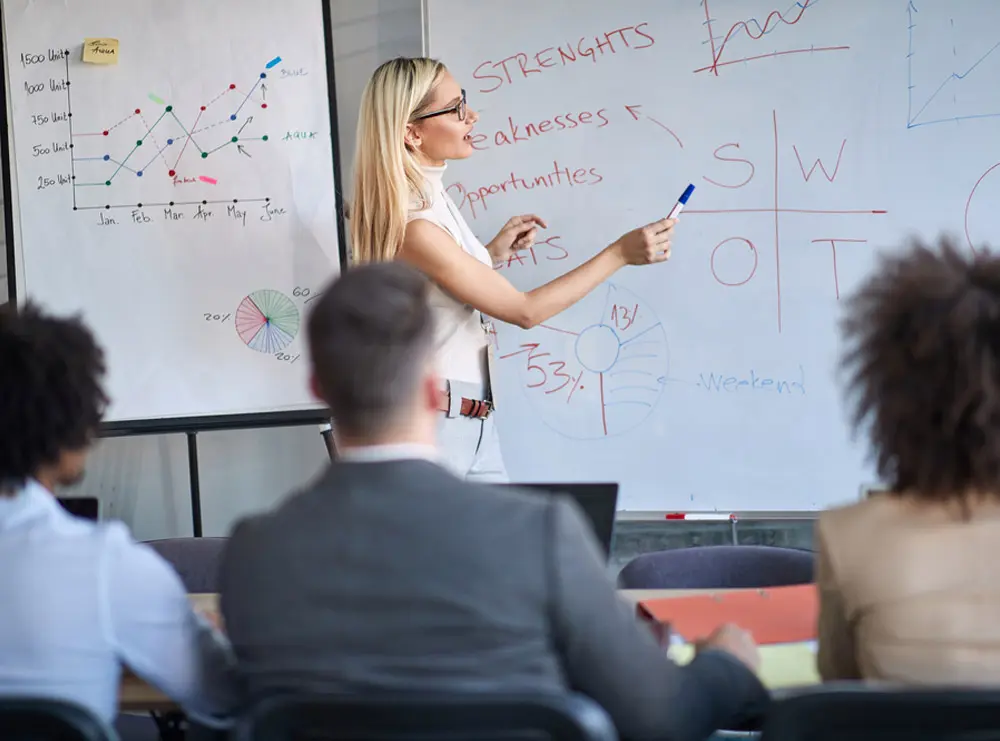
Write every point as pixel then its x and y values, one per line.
pixel 607 363
pixel 267 321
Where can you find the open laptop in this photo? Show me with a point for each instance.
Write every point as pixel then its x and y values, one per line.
pixel 599 503
pixel 89 508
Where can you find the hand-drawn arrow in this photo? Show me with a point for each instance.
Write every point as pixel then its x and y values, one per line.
pixel 634 110
pixel 263 91
pixel 241 150
pixel 249 119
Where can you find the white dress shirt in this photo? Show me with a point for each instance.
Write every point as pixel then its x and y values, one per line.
pixel 390 452
pixel 78 599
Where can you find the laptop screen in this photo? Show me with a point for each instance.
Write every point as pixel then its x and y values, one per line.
pixel 599 503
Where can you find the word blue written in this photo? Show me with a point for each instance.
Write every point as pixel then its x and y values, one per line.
pixel 753 383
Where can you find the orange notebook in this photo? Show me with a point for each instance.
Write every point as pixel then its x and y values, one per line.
pixel 773 615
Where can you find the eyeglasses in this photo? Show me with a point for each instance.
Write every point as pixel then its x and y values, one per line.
pixel 459 108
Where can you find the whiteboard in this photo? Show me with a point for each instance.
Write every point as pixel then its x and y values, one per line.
pixel 817 134
pixel 183 200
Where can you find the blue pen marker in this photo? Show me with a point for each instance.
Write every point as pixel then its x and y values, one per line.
pixel 681 202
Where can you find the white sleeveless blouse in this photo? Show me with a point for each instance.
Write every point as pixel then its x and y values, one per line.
pixel 460 336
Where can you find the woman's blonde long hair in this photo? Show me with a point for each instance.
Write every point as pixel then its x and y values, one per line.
pixel 387 175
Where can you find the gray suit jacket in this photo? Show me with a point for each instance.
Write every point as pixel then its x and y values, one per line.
pixel 398 576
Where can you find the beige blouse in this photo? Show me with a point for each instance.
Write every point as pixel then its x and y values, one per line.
pixel 909 592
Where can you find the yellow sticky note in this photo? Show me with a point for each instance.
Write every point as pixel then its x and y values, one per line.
pixel 100 51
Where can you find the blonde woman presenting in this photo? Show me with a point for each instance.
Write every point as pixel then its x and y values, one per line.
pixel 413 120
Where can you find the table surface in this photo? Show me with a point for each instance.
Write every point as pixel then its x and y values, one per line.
pixel 138 696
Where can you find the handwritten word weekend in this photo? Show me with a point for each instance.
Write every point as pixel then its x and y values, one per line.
pixel 752 382
pixel 520 65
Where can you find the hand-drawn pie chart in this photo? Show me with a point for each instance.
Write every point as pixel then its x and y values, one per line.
pixel 598 369
pixel 980 208
pixel 267 321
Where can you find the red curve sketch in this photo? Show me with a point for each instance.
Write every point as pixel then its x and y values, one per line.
pixel 770 23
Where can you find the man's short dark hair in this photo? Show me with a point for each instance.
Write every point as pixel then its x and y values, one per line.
pixel 51 395
pixel 923 353
pixel 371 336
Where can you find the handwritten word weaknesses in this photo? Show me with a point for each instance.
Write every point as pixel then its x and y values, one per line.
pixel 520 65
pixel 515 133
pixel 476 198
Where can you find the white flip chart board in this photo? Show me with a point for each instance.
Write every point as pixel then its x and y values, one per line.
pixel 182 197
pixel 817 133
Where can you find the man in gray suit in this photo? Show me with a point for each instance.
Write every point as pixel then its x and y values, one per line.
pixel 389 573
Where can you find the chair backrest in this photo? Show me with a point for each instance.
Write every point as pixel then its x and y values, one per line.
pixel 854 712
pixel 196 560
pixel 474 717
pixel 718 567
pixel 39 719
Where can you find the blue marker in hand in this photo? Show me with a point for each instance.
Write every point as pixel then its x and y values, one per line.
pixel 681 202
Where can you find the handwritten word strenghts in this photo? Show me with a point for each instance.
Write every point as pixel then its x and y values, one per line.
pixel 520 65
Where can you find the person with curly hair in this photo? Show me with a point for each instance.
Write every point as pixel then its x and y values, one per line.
pixel 82 598
pixel 907 578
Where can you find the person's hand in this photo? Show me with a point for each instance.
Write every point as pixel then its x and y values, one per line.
pixel 735 641
pixel 646 245
pixel 212 616
pixel 517 234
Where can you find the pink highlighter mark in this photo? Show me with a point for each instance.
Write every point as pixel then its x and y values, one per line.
pixel 206 179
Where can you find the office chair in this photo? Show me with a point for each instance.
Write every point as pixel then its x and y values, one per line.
pixel 40 719
pixel 856 712
pixel 718 567
pixel 472 717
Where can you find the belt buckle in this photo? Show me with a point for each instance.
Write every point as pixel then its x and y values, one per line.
pixel 479 408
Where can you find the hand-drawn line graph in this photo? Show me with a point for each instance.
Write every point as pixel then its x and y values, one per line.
pixel 267 321
pixel 127 153
pixel 598 369
pixel 972 96
pixel 754 30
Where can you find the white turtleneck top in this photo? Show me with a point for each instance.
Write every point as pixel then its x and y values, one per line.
pixel 460 336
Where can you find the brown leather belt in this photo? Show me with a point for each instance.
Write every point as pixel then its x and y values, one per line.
pixel 474 408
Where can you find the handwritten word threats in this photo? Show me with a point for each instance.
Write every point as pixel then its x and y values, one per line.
pixel 520 65
pixel 476 198
pixel 549 250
